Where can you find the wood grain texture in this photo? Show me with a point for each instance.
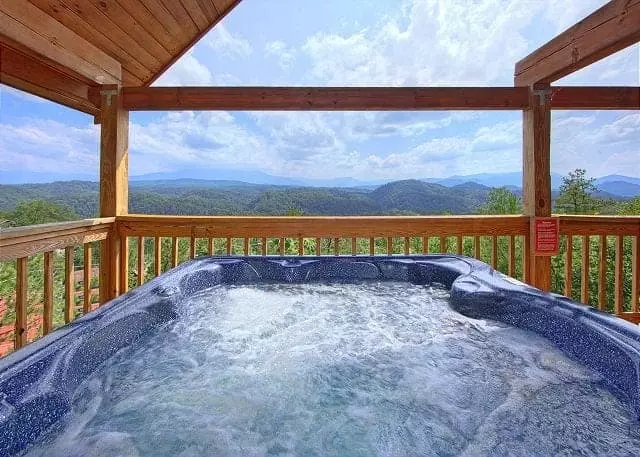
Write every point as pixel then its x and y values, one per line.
pixel 511 266
pixel 602 273
pixel 599 225
pixel 600 98
pixel 87 269
pixel 174 252
pixel 320 226
pixel 536 175
pixel 611 28
pixel 123 266
pixel 31 75
pixel 140 266
pixel 22 286
pixel 69 286
pixel 114 156
pixel 35 30
pixel 30 247
pixel 568 267
pixel 47 296
pixel 133 72
pixel 157 256
pixel 324 98
pixel 494 252
pixel 618 278
pixel 584 270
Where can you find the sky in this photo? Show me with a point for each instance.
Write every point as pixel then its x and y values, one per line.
pixel 354 43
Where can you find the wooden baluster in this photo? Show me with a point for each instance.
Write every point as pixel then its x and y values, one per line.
pixel 211 248
pixel 69 285
pixel 141 260
pixel 86 279
pixel 245 246
pixel 389 245
pixel 47 318
pixel 406 245
pixel 263 246
pixel 494 252
pixel 372 246
pixel 584 285
pixel 425 245
pixel 512 256
pixel 174 252
pixel 229 246
pixel 124 264
pixel 568 267
pixel 282 243
pixel 192 247
pixel 318 246
pixel 336 246
pixel 354 246
pixel 602 274
pixel 300 246
pixel 443 244
pixel 157 256
pixel 526 259
pixel 619 280
pixel 635 274
pixel 476 247
pixel 22 286
pixel 459 245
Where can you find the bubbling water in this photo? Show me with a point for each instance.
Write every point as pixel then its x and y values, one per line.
pixel 339 370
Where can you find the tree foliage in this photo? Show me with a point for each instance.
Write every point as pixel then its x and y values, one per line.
pixel 501 201
pixel 576 194
pixel 39 212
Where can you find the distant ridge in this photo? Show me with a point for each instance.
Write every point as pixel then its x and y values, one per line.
pixel 624 186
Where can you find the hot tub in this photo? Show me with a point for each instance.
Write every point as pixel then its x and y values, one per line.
pixel 420 355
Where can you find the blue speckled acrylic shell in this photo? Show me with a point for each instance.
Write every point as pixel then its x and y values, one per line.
pixel 38 382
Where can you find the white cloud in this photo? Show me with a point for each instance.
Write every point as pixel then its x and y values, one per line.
pixel 187 71
pixel 286 55
pixel 37 145
pixel 223 42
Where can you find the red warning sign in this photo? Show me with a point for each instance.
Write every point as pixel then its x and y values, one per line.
pixel 546 235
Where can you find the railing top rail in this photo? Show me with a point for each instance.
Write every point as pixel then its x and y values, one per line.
pixel 55 227
pixel 187 219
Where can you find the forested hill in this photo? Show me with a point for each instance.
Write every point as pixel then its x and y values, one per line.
pixel 231 197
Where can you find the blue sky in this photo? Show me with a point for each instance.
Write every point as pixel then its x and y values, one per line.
pixel 359 42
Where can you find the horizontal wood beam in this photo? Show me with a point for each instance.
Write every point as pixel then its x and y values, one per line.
pixel 615 98
pixel 29 29
pixel 324 98
pixel 370 98
pixel 609 29
pixel 25 73
pixel 319 226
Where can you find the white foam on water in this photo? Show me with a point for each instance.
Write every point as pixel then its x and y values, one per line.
pixel 343 369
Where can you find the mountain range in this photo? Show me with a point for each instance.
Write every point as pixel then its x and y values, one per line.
pixel 616 185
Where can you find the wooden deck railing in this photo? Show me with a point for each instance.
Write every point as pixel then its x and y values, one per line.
pixel 51 253
pixel 607 278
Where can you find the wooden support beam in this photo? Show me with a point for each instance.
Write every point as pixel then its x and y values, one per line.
pixel 609 29
pixel 27 28
pixel 617 98
pixel 30 75
pixel 536 163
pixel 114 186
pixel 324 98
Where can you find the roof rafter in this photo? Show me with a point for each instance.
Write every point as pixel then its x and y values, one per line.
pixel 611 28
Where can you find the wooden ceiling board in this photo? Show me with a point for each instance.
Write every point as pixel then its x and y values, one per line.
pixel 26 24
pixel 151 24
pixel 103 24
pixel 197 15
pixel 133 72
pixel 181 16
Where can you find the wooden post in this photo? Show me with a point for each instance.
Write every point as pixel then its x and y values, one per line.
pixel 114 185
pixel 536 145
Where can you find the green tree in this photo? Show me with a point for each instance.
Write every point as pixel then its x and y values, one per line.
pixel 40 212
pixel 630 208
pixel 501 201
pixel 576 194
